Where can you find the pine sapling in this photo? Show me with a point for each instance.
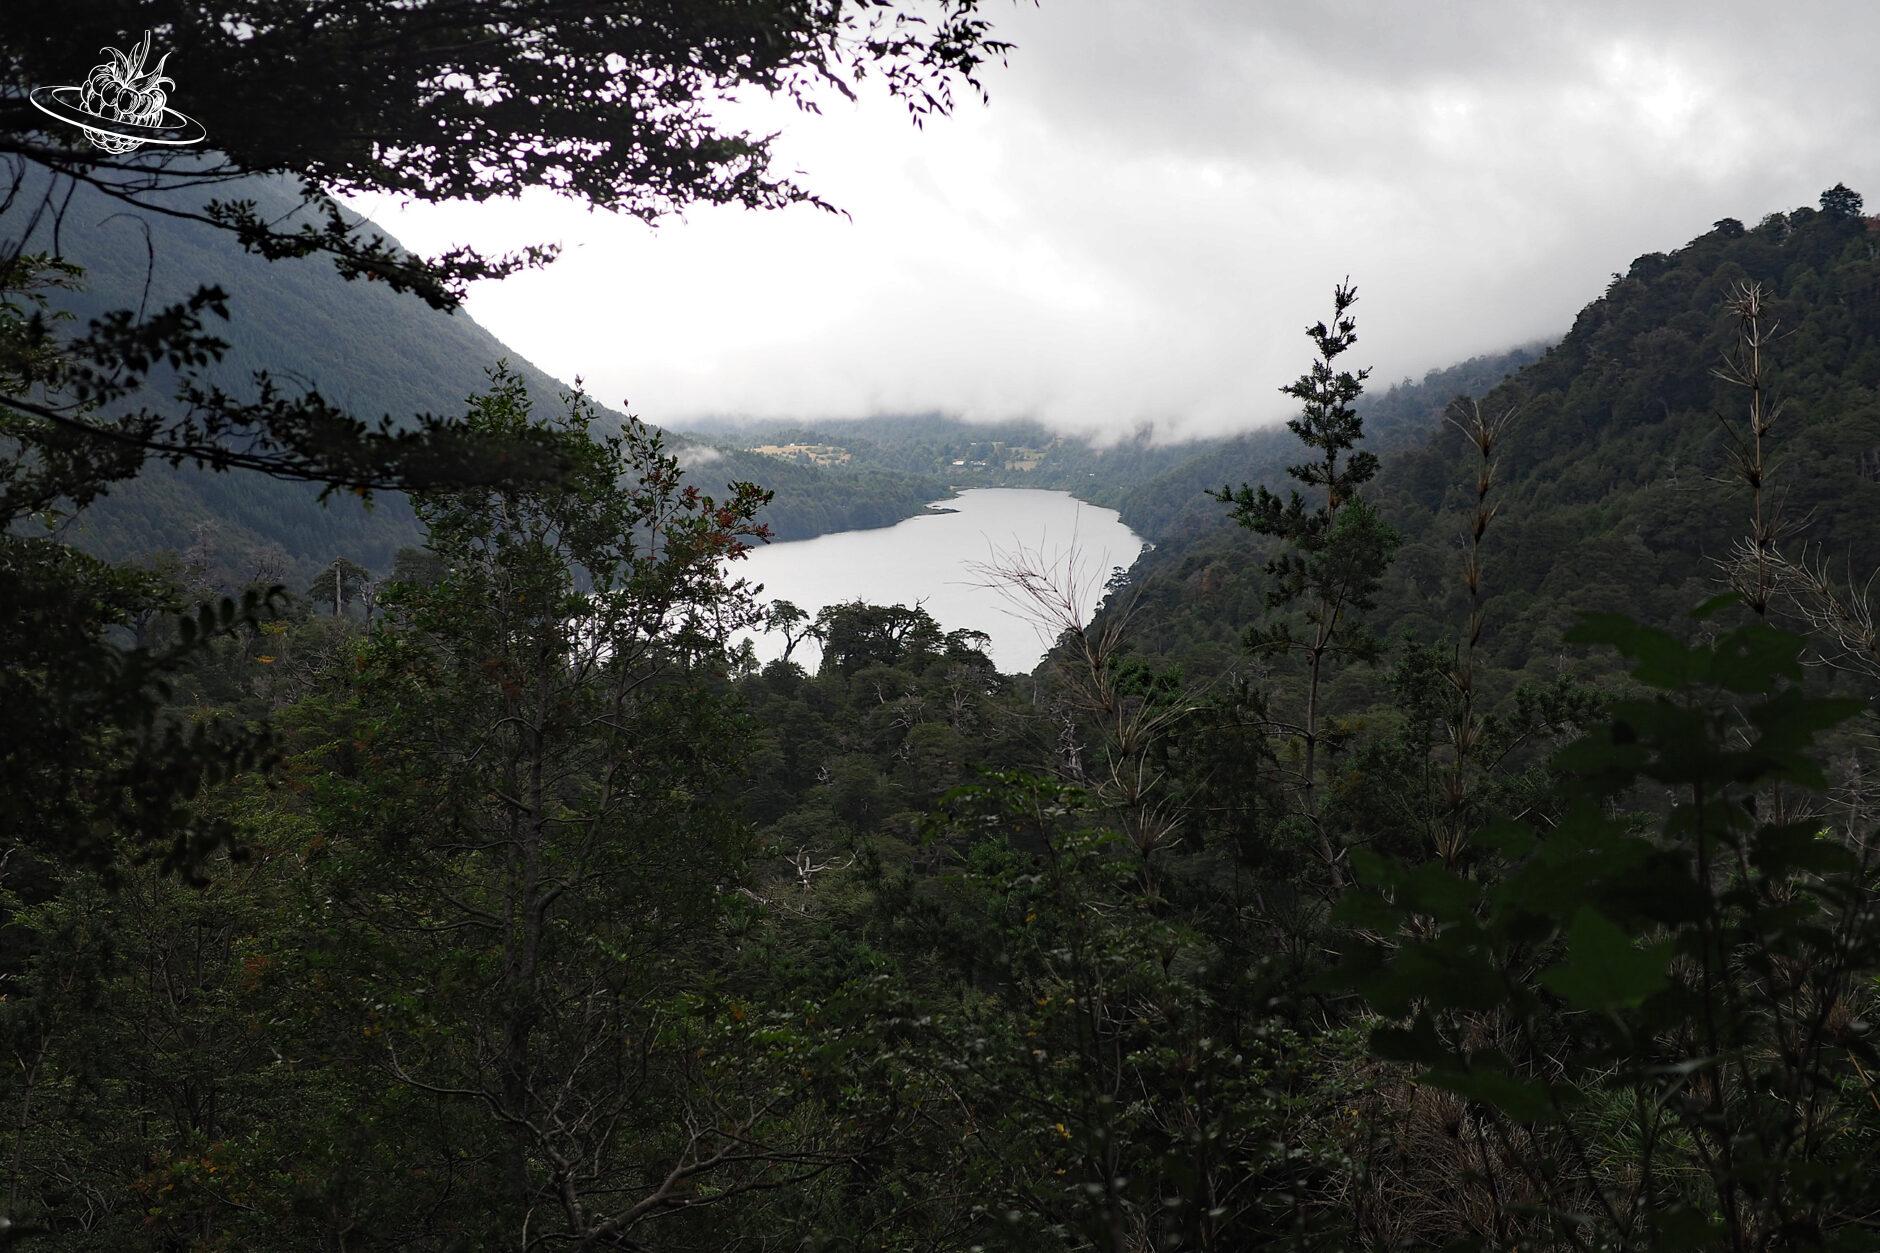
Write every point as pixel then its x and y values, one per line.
pixel 1334 553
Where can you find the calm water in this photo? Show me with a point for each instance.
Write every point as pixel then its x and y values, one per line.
pixel 929 559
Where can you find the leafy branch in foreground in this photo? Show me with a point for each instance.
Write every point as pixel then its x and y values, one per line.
pixel 95 760
pixel 1655 1011
pixel 615 103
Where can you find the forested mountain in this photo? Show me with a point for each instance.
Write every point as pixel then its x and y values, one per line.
pixel 1174 503
pixel 1616 463
pixel 1154 482
pixel 1203 952
pixel 1009 453
pixel 377 352
pixel 368 349
pixel 1415 853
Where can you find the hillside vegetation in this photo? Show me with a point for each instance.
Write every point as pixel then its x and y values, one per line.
pixel 371 350
pixel 1457 834
pixel 1615 465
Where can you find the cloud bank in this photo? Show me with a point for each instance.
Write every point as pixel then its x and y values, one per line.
pixel 1161 195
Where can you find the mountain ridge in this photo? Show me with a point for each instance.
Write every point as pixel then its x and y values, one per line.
pixel 1607 476
pixel 373 351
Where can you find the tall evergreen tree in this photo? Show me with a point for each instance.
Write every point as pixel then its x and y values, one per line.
pixel 1331 554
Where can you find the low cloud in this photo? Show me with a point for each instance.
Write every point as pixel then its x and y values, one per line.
pixel 693 455
pixel 1160 197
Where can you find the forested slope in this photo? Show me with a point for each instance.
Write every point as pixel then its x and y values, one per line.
pixel 1155 482
pixel 1173 503
pixel 1614 468
pixel 374 351
pixel 359 344
pixel 908 954
pixel 510 903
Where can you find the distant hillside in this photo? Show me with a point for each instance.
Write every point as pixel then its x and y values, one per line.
pixel 1173 502
pixel 1611 498
pixel 360 344
pixel 381 353
pixel 960 453
pixel 1156 485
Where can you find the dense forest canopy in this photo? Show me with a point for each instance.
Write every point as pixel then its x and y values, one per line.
pixel 1456 833
pixel 1616 452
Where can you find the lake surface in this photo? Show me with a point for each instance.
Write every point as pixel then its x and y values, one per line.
pixel 930 560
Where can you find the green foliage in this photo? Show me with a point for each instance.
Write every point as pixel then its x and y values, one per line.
pixel 1703 983
pixel 95 759
pixel 1109 1074
pixel 1612 472
pixel 541 918
pixel 1330 556
pixel 339 583
pixel 1840 202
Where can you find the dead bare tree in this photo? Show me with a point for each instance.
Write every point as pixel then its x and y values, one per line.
pixel 1755 568
pixel 1465 726
pixel 1055 594
pixel 807 868
pixel 1838 615
pixel 1750 569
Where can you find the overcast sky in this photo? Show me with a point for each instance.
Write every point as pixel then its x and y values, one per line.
pixel 1161 194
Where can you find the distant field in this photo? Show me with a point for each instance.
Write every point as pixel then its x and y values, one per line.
pixel 815 454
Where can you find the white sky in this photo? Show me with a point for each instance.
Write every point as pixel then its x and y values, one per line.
pixel 1162 192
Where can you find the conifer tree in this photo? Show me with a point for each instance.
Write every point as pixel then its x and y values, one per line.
pixel 1331 554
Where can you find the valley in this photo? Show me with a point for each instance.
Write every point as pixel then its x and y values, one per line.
pixel 1026 745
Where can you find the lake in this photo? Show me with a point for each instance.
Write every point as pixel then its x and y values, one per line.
pixel 929 560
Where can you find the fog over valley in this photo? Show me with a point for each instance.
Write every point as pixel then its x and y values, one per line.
pixel 939 626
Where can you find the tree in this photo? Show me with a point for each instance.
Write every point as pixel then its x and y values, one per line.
pixel 469 99
pixel 1334 553
pixel 442 100
pixel 1839 202
pixel 1653 1013
pixel 855 635
pixel 93 768
pixel 1111 1083
pixel 1126 706
pixel 339 582
pixel 419 566
pixel 792 623
pixel 611 101
pixel 532 861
